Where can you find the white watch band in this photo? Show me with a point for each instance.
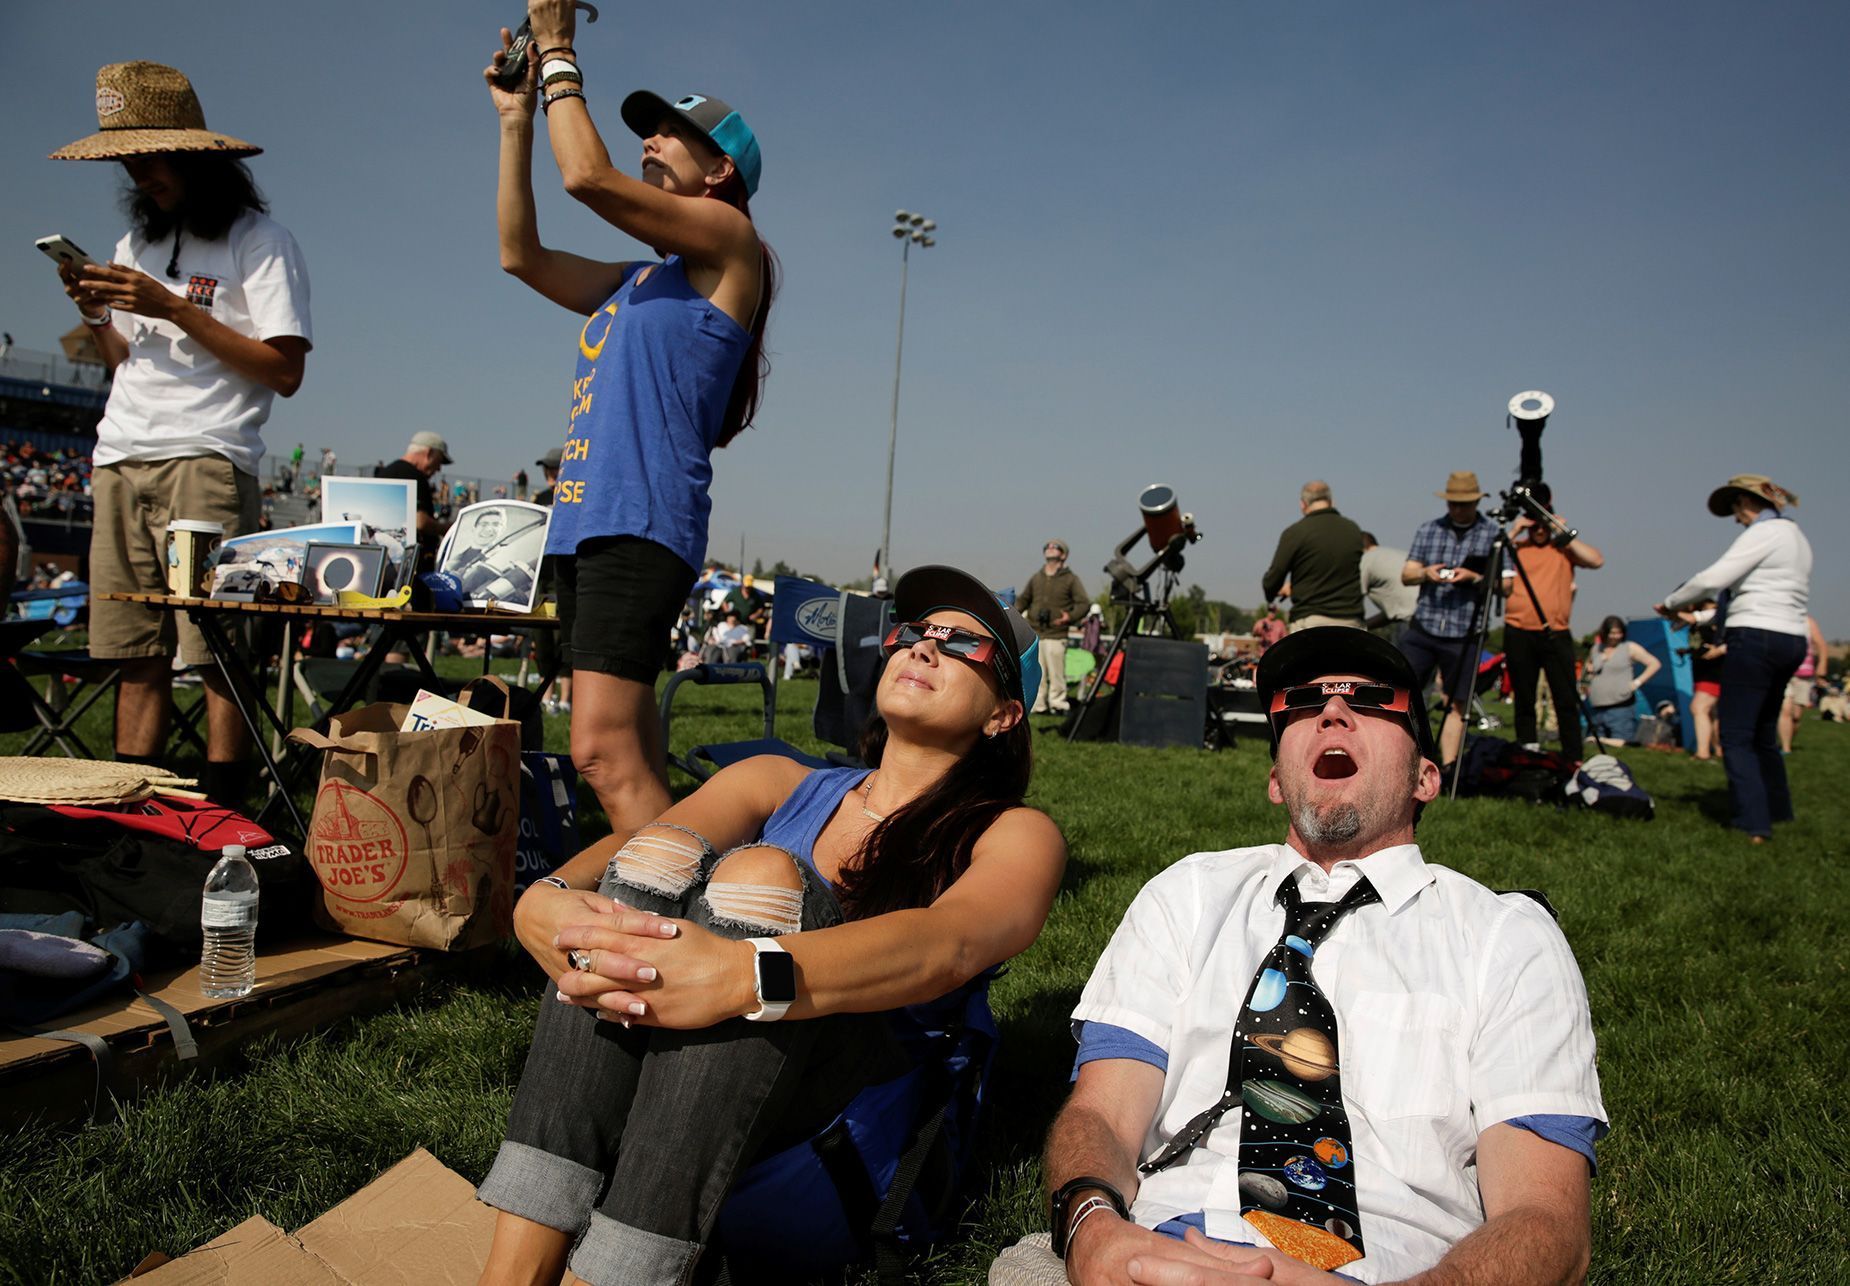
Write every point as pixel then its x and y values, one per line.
pixel 767 1011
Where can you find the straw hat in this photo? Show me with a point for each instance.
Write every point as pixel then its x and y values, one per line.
pixel 1721 500
pixel 146 108
pixel 1460 486
pixel 84 781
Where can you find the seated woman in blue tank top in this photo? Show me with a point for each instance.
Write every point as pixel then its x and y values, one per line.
pixel 669 367
pixel 706 1010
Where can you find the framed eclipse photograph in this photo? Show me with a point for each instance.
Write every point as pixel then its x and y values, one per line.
pixel 329 569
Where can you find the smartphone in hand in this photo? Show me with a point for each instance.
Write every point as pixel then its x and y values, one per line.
pixel 61 250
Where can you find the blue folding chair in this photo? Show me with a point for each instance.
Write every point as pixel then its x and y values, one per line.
pixel 847 627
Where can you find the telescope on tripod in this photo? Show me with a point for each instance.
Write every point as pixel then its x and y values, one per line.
pixel 1528 415
pixel 1144 591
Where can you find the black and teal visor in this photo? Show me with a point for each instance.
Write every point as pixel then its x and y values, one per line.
pixel 724 128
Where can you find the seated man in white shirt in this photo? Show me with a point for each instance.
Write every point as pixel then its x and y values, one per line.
pixel 1404 1058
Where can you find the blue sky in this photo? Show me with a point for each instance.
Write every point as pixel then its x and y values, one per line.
pixel 1227 247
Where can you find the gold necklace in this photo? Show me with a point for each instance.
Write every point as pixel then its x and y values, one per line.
pixel 867 788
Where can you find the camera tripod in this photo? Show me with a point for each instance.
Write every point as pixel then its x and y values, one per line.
pixel 1515 501
pixel 1149 614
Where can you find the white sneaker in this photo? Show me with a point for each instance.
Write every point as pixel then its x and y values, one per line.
pixel 565 707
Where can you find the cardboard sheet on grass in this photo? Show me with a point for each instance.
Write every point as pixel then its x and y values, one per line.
pixel 418 1224
pixel 413 833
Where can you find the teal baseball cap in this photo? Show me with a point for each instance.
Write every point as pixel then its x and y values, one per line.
pixel 718 123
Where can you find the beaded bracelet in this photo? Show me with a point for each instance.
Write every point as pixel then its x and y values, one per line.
pixel 1087 1208
pixel 547 102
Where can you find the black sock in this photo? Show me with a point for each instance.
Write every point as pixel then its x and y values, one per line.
pixel 146 761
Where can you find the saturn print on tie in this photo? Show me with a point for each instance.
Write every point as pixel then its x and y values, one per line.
pixel 1296 1182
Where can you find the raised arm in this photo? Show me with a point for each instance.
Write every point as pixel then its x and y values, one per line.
pixel 716 240
pixel 571 281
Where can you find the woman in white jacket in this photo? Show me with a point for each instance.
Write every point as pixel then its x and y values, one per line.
pixel 1766 579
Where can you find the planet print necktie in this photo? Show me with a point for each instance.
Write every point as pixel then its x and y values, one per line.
pixel 1297 1171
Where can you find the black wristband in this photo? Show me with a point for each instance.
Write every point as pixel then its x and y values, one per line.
pixel 1061 1202
pixel 558 49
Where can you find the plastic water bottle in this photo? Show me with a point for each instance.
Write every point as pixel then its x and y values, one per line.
pixel 228 918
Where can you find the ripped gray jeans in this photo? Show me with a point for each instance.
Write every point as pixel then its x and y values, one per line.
pixel 630 1139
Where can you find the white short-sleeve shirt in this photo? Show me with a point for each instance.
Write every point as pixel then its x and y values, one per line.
pixel 171 397
pixel 1456 1008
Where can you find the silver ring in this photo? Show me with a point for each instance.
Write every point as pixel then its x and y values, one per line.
pixel 579 960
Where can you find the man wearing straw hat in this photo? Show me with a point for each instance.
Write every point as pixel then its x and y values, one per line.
pixel 1447 560
pixel 203 319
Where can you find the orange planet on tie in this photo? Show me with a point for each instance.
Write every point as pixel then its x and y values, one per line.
pixel 1306 1052
pixel 1307 1243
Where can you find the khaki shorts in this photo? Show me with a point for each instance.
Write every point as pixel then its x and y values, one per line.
pixel 1800 692
pixel 135 500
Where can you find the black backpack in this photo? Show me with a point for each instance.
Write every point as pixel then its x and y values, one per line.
pixel 113 873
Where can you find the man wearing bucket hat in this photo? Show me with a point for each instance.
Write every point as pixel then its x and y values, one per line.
pixel 1447 560
pixel 1764 580
pixel 669 368
pixel 203 318
pixel 1425 1098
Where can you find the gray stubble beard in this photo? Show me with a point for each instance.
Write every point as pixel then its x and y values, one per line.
pixel 1336 824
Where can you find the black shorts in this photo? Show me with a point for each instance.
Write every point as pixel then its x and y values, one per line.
pixel 619 598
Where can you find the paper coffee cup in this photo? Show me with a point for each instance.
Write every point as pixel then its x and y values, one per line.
pixel 192 547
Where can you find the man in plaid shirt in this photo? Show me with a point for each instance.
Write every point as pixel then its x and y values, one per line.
pixel 1447 560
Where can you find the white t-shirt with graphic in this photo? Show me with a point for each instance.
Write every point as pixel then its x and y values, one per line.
pixel 171 397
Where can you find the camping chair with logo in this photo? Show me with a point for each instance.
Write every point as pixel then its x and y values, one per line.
pixel 847 628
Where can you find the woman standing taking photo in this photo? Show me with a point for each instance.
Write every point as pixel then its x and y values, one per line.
pixel 1766 575
pixel 670 1054
pixel 670 367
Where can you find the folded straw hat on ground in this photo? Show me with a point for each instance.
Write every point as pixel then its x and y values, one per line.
pixel 84 781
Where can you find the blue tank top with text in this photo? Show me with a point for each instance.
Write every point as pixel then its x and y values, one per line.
pixel 656 366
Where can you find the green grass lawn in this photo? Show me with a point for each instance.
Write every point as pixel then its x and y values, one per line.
pixel 1717 974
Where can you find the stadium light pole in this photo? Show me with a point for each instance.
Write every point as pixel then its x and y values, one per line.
pixel 910 229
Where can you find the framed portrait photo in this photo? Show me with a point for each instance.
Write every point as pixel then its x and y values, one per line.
pixel 494 548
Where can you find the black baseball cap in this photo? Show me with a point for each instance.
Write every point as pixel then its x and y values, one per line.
pixel 931 588
pixel 716 122
pixel 1339 649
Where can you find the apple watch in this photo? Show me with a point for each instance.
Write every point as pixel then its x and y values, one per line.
pixel 774 980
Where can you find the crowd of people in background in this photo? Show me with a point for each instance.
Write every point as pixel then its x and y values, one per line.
pixel 47 484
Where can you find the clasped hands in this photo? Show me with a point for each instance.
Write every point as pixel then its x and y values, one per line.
pixel 640 967
pixel 1115 1252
